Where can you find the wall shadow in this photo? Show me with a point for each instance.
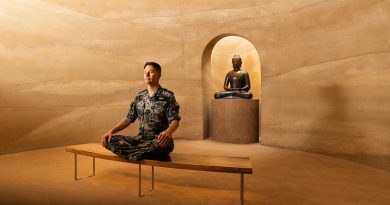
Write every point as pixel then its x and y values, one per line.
pixel 334 132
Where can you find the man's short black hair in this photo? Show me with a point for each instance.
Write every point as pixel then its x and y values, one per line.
pixel 154 64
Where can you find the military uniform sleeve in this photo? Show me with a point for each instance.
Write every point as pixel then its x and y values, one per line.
pixel 173 109
pixel 132 113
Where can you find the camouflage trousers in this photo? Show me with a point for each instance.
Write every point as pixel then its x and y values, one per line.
pixel 138 147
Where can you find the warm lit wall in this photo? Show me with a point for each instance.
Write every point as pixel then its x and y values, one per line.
pixel 70 68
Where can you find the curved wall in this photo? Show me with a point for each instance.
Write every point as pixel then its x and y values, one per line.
pixel 70 68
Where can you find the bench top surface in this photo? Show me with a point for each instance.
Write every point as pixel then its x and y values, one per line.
pixel 175 160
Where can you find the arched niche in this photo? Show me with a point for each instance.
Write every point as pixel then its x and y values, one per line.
pixel 216 62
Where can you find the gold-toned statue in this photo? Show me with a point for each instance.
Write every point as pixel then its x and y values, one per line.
pixel 237 83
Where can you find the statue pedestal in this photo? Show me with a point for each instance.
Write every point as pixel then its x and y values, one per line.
pixel 235 120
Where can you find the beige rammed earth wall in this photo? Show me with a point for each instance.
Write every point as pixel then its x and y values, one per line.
pixel 69 69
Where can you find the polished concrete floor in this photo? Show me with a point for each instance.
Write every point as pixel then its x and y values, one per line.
pixel 280 176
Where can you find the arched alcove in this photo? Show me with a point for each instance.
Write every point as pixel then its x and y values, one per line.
pixel 216 62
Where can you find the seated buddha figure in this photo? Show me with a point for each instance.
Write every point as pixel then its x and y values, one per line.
pixel 237 83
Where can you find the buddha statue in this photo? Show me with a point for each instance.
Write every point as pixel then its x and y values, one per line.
pixel 237 83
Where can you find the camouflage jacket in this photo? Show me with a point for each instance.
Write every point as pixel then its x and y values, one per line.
pixel 154 112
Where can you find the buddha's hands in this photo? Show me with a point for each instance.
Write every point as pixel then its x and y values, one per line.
pixel 233 89
pixel 164 137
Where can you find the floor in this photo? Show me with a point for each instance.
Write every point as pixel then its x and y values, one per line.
pixel 280 176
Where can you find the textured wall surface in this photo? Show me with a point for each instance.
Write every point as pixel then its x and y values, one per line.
pixel 70 68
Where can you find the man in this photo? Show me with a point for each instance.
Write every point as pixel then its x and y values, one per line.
pixel 158 113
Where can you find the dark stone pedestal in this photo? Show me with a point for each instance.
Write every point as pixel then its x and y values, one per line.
pixel 235 120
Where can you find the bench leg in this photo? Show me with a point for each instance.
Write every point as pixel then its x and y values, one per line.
pixel 94 172
pixel 75 166
pixel 139 181
pixel 242 189
pixel 152 178
pixel 93 167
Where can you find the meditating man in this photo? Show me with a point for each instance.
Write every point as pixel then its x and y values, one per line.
pixel 237 83
pixel 158 113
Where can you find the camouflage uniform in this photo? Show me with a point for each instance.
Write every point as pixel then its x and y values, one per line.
pixel 154 114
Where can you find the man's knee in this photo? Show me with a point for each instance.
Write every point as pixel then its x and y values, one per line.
pixel 113 141
pixel 167 148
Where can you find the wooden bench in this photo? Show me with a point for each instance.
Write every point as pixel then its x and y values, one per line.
pixel 239 165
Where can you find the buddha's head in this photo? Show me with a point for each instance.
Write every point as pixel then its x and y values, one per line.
pixel 236 60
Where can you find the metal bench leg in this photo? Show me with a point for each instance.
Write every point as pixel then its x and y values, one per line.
pixel 242 189
pixel 152 178
pixel 139 181
pixel 93 167
pixel 75 166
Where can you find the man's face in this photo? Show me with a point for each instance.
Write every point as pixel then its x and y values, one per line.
pixel 151 75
